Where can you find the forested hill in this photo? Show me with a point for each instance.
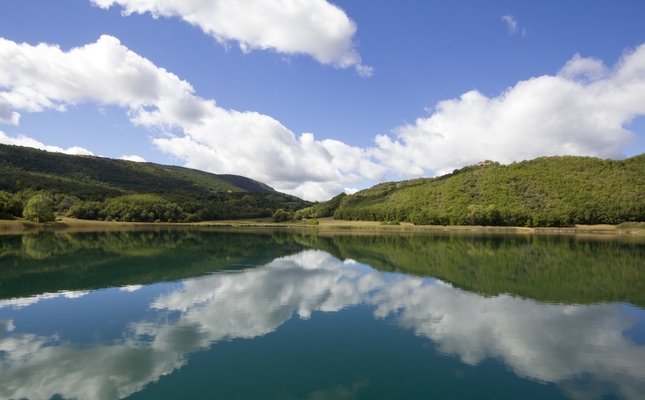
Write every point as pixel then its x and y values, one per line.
pixel 548 191
pixel 95 177
pixel 84 187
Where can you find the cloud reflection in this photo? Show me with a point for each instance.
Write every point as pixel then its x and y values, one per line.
pixel 27 301
pixel 545 342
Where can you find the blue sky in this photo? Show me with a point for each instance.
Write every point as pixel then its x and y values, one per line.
pixel 387 90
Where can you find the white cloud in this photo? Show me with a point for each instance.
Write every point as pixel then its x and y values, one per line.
pixel 22 140
pixel 134 158
pixel 6 115
pixel 588 68
pixel 511 22
pixel 214 139
pixel 314 27
pixel 580 111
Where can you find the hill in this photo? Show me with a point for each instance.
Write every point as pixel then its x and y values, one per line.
pixel 548 191
pixel 321 210
pixel 91 187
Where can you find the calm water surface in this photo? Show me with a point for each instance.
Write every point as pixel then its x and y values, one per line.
pixel 275 315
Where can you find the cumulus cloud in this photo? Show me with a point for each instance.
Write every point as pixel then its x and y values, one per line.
pixel 22 140
pixel 6 115
pixel 511 22
pixel 213 139
pixel 134 158
pixel 314 27
pixel 580 111
pixel 589 68
pixel 545 342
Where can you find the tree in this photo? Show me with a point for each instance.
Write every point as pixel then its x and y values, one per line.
pixel 39 208
pixel 10 205
pixel 280 215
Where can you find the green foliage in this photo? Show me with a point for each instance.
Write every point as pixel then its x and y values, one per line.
pixel 95 178
pixel 545 192
pixel 10 205
pixel 104 189
pixel 320 210
pixel 130 208
pixel 282 216
pixel 39 208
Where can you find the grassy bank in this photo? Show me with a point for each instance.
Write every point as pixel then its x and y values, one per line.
pixel 324 225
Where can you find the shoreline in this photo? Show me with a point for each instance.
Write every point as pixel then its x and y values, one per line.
pixel 325 225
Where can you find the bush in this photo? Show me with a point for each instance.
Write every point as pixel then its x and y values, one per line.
pixel 280 215
pixel 39 208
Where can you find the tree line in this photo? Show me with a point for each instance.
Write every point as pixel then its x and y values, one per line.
pixel 43 206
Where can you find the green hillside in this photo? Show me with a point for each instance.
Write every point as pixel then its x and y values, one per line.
pixel 548 191
pixel 321 210
pixel 102 188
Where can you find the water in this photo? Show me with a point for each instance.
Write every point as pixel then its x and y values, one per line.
pixel 276 315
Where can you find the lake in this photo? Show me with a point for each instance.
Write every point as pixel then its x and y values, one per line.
pixel 270 314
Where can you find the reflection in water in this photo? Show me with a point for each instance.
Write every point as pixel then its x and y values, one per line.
pixel 549 269
pixel 27 301
pixel 33 264
pixel 339 392
pixel 543 342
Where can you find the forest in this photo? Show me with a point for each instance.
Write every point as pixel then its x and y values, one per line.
pixel 97 188
pixel 544 192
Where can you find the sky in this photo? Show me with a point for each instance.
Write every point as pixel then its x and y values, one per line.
pixel 317 97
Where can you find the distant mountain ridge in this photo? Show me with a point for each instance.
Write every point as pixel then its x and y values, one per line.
pixel 547 191
pixel 90 187
pixel 23 165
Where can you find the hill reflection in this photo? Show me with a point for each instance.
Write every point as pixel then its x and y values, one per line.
pixel 549 269
pixel 551 343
